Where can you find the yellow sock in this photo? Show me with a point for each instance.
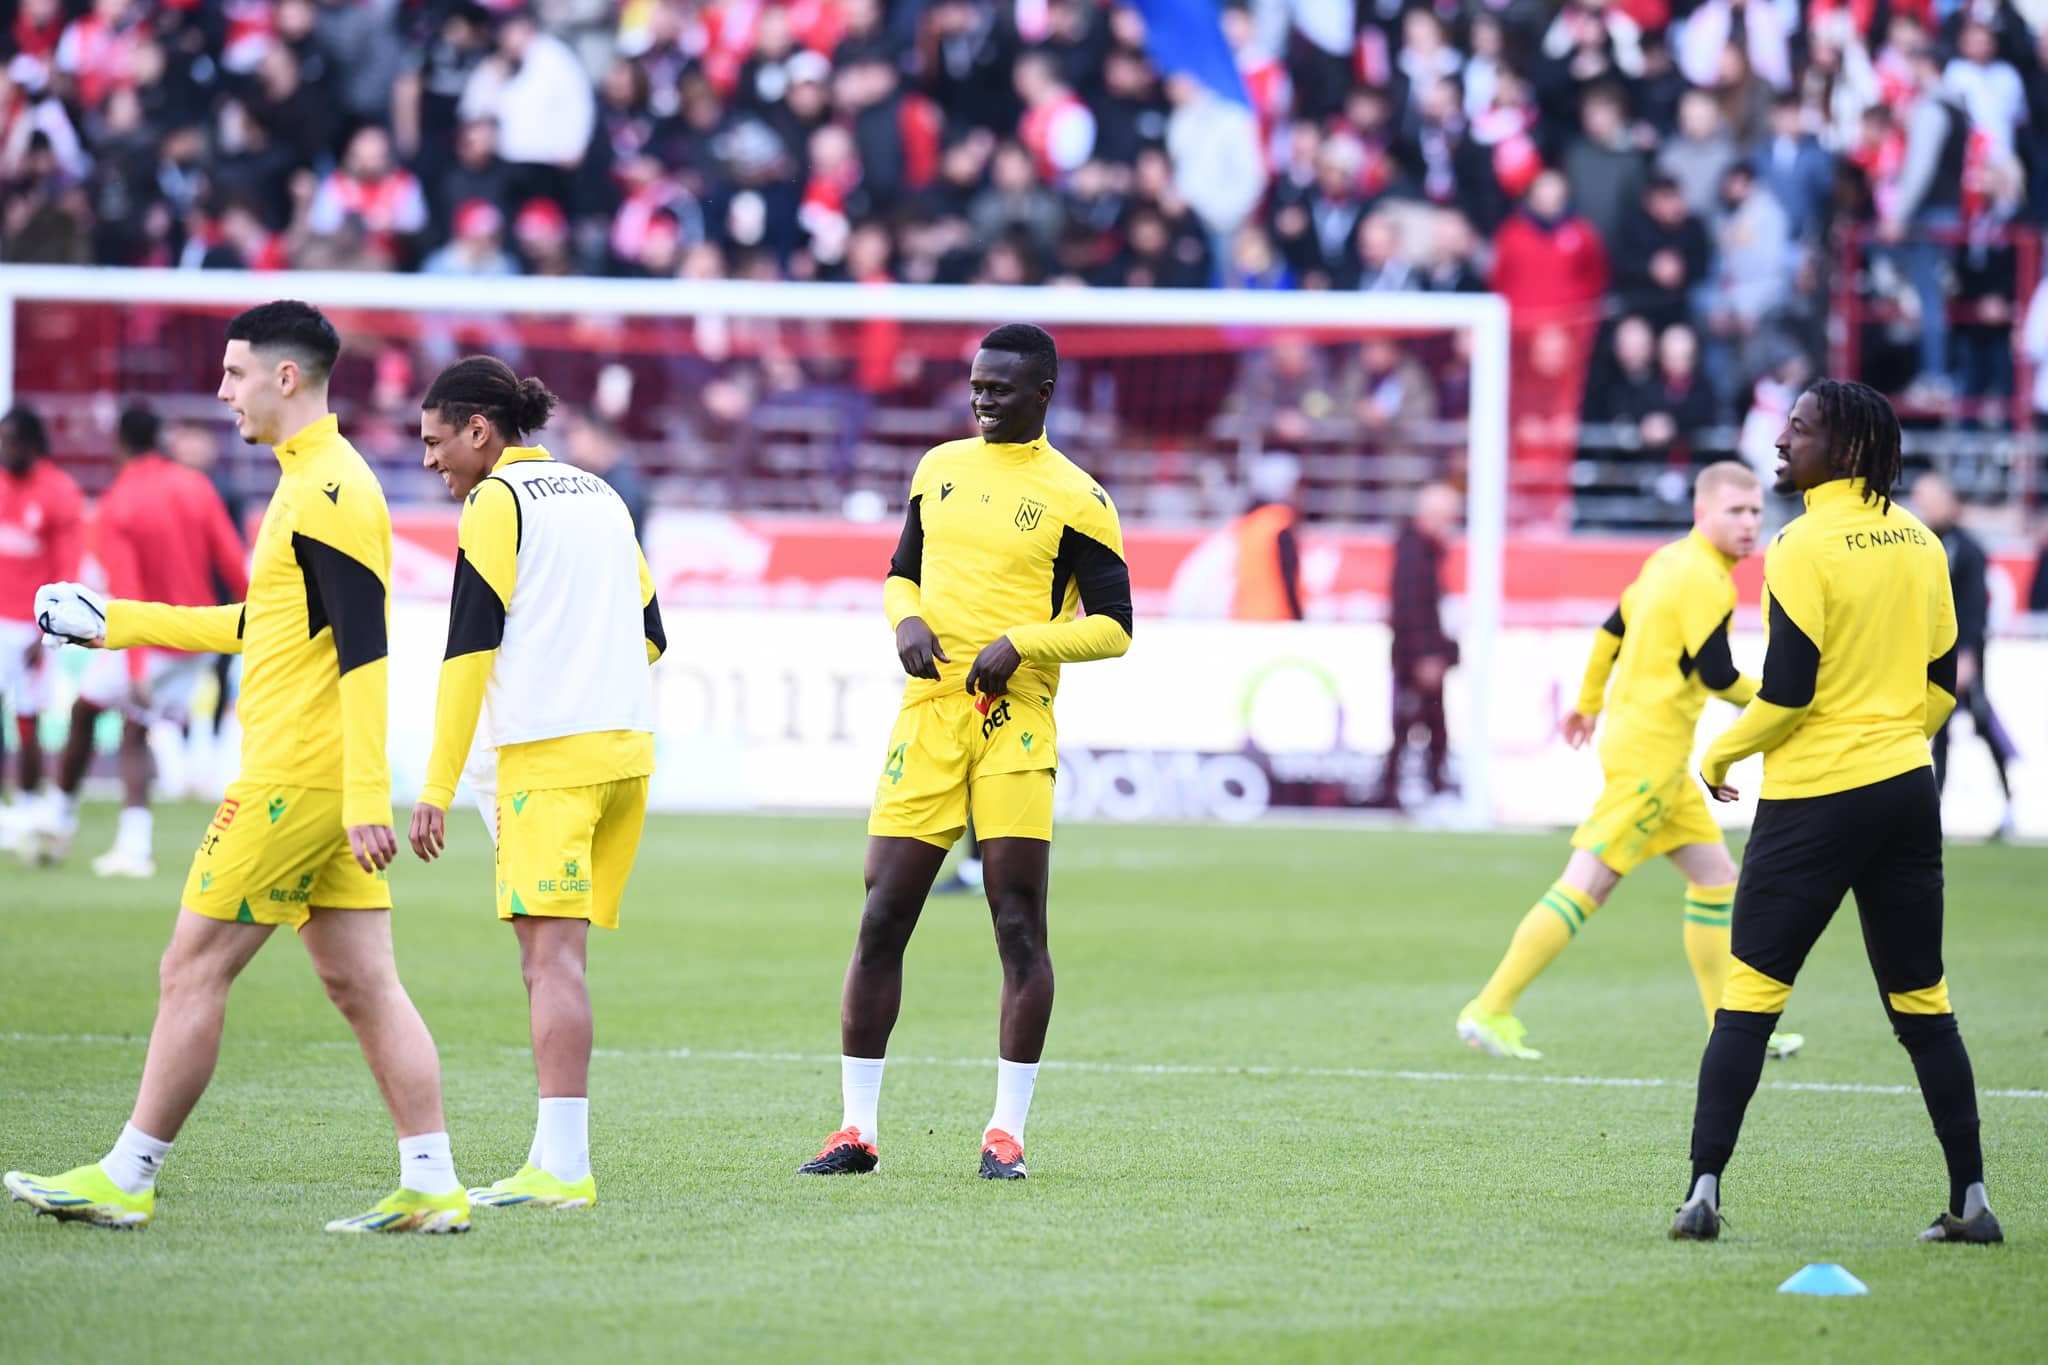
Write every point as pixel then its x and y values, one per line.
pixel 1707 911
pixel 1551 923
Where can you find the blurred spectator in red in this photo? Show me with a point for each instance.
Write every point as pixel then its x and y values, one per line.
pixel 97 52
pixel 1057 128
pixel 541 231
pixel 38 27
pixel 372 190
pixel 1552 269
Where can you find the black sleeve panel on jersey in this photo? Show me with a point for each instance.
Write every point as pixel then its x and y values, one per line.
pixel 345 593
pixel 1614 625
pixel 1103 577
pixel 1942 672
pixel 1716 664
pixel 476 616
pixel 1791 663
pixel 1290 568
pixel 908 561
pixel 650 618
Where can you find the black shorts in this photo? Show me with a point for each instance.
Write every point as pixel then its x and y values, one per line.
pixel 1882 842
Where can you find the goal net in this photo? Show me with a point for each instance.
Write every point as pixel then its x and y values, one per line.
pixel 772 430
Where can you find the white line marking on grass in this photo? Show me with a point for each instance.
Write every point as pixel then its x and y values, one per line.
pixel 1340 1073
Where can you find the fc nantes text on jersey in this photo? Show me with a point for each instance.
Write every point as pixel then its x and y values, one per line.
pixel 1860 649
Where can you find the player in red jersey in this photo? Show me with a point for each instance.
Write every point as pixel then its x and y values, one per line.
pixel 40 513
pixel 163 535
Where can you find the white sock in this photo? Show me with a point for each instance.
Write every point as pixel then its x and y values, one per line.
pixel 970 871
pixel 565 1138
pixel 425 1164
pixel 1975 1201
pixel 860 1091
pixel 1707 1187
pixel 1014 1081
pixel 135 1160
pixel 63 808
pixel 136 830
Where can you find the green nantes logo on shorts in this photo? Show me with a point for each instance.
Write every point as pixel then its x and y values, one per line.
pixel 276 808
pixel 571 881
pixel 519 802
pixel 297 896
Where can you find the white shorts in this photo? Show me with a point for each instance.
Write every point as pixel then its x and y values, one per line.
pixel 24 676
pixel 172 678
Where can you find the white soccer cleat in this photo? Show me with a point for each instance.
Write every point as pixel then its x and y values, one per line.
pixel 123 862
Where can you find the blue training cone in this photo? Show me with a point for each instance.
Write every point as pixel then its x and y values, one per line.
pixel 1824 1278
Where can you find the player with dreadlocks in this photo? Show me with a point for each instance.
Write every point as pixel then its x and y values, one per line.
pixel 1859 671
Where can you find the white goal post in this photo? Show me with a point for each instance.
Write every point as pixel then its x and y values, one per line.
pixel 1483 317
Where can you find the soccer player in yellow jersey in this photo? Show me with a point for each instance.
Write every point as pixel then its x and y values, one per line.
pixel 553 619
pixel 1004 538
pixel 1666 649
pixel 304 834
pixel 1859 673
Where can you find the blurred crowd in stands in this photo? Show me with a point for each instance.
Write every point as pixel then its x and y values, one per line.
pixel 1675 196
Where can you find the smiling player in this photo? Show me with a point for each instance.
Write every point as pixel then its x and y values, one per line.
pixel 1004 538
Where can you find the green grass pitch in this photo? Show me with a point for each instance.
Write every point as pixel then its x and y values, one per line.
pixel 1257 1138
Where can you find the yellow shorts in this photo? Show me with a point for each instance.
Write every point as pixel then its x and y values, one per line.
pixel 951 753
pixel 1637 819
pixel 566 852
pixel 273 853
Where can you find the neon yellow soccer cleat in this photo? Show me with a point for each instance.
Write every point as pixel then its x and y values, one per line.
pixel 534 1186
pixel 83 1195
pixel 411 1211
pixel 1499 1034
pixel 1783 1045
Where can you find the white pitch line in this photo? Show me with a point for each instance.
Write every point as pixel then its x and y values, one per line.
pixel 1342 1073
